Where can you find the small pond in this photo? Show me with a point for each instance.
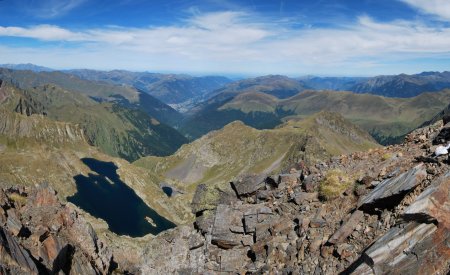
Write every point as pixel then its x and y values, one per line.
pixel 167 190
pixel 105 196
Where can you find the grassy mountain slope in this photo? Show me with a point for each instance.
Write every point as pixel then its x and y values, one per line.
pixel 222 155
pixel 100 91
pixel 439 116
pixel 385 118
pixel 382 117
pixel 253 101
pixel 118 131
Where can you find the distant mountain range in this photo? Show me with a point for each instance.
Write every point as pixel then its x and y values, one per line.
pixel 396 104
pixel 387 119
pixel 26 67
pixel 332 83
pixel 169 88
pixel 183 92
pixel 401 85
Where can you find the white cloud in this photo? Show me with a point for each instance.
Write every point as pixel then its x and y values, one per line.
pixel 49 8
pixel 233 42
pixel 440 8
pixel 43 32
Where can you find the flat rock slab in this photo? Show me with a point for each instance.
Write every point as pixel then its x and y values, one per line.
pixel 433 204
pixel 304 197
pixel 254 214
pixel 414 248
pixel 395 186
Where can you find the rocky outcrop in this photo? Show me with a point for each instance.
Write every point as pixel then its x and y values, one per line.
pixel 39 128
pixel 412 247
pixel 393 218
pixel 39 235
pixel 393 187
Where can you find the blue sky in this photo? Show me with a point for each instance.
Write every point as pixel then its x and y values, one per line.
pixel 247 37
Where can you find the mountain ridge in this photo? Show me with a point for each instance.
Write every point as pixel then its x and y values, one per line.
pixel 129 133
pixel 384 117
pixel 125 96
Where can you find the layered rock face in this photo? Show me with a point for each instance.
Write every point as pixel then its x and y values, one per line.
pixel 39 128
pixel 392 217
pixel 39 235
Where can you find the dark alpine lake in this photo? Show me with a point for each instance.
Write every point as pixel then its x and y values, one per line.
pixel 105 196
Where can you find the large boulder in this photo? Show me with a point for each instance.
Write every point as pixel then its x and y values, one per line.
pixel 443 136
pixel 227 223
pixel 248 184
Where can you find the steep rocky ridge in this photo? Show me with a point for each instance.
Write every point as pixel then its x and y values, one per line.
pixel 37 128
pixel 118 131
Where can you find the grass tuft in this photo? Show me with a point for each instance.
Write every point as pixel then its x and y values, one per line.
pixel 334 184
pixel 19 199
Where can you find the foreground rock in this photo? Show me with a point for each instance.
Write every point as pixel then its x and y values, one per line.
pixel 393 218
pixel 39 235
pixel 421 246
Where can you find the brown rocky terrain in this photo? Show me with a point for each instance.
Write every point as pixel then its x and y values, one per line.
pixel 39 235
pixel 385 211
